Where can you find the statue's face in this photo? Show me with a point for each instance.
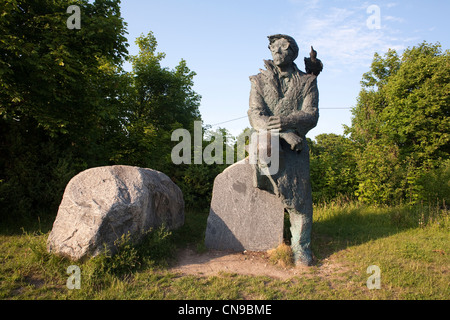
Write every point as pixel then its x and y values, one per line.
pixel 281 53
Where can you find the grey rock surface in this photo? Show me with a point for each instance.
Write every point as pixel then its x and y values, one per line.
pixel 241 216
pixel 102 204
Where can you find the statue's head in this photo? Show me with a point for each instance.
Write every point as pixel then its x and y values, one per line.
pixel 284 49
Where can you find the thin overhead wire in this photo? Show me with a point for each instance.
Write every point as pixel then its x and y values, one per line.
pixel 231 120
pixel 216 124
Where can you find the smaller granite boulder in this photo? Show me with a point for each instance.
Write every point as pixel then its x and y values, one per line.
pixel 102 204
pixel 241 216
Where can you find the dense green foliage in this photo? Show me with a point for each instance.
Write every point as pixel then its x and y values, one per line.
pixel 401 125
pixel 55 119
pixel 333 167
pixel 157 101
pixel 66 104
pixel 398 146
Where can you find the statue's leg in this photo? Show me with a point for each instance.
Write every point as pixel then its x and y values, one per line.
pixel 301 225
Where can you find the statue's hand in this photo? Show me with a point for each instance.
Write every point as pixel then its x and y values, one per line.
pixel 275 123
pixel 294 140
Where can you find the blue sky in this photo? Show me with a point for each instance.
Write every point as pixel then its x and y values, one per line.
pixel 225 42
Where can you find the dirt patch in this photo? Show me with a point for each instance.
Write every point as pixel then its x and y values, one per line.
pixel 212 262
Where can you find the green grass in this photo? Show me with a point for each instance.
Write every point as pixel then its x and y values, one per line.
pixel 410 245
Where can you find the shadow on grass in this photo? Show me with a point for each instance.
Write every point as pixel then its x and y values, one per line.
pixel 334 228
pixel 18 225
pixel 192 233
pixel 337 228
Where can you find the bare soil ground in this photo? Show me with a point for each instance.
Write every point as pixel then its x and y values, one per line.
pixel 190 262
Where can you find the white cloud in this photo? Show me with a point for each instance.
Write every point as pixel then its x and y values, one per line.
pixel 394 19
pixel 307 4
pixel 341 35
pixel 391 4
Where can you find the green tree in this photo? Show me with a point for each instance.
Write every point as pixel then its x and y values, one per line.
pixel 401 122
pixel 333 167
pixel 197 180
pixel 66 104
pixel 157 101
pixel 53 118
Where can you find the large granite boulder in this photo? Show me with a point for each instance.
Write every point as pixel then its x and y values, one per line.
pixel 102 204
pixel 241 216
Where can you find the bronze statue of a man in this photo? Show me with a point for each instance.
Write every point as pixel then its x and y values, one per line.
pixel 285 99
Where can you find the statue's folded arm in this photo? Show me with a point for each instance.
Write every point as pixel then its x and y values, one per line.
pixel 301 120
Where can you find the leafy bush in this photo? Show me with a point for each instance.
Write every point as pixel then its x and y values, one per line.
pixel 400 126
pixel 435 184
